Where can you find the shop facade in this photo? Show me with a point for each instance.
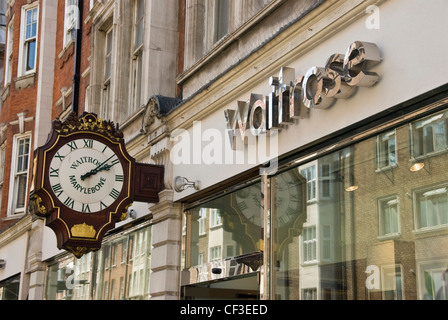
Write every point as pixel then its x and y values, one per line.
pixel 342 196
pixel 345 201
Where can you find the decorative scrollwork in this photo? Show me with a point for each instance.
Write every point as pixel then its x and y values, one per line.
pixel 87 122
pixel 37 207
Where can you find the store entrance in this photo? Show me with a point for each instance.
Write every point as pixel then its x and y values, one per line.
pixel 244 287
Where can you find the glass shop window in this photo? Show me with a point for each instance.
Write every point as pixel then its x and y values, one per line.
pixel 221 232
pixel 9 288
pixel 385 239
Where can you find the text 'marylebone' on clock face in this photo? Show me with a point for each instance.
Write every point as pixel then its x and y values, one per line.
pixel 86 175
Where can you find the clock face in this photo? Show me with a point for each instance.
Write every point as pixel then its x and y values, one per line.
pixel 86 175
pixel 248 202
pixel 288 197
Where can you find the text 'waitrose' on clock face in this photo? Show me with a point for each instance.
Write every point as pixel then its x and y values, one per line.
pixel 86 175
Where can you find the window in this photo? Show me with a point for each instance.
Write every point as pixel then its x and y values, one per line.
pixel 221 19
pixel 106 94
pixel 309 246
pixel 70 21
pixel 432 208
pixel 309 294
pixel 310 175
pixel 388 216
pixel 19 174
pixel 215 218
pixel 2 167
pixel 202 219
pixel 108 56
pixel 385 150
pixel 327 243
pixel 433 279
pixel 138 23
pixel 429 135
pixel 325 178
pixel 9 288
pixel 392 283
pixel 88 278
pixel 28 41
pixel 215 253
pixel 8 67
pixel 137 59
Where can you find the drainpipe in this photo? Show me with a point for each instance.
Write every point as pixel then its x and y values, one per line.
pixel 77 67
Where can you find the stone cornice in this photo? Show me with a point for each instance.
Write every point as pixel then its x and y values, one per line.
pixel 16 230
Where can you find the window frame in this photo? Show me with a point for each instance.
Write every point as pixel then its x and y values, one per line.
pixel 308 244
pixel 24 49
pixel 431 193
pixel 14 210
pixel 105 110
pixel 9 53
pixel 136 68
pixel 419 143
pixel 383 151
pixel 70 24
pixel 382 204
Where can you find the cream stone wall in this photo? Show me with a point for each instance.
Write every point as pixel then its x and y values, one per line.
pixel 405 72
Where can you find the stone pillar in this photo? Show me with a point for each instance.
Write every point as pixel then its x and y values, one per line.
pixel 166 241
pixel 35 268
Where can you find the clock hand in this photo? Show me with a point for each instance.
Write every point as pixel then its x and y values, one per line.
pixel 107 167
pixel 96 170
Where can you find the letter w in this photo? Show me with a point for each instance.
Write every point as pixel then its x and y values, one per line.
pixel 237 120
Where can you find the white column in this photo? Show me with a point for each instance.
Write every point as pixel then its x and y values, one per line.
pixel 166 240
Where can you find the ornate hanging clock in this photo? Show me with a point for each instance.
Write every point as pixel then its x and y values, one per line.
pixel 83 181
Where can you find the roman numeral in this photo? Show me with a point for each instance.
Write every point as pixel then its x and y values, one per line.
pixel 291 212
pixel 59 156
pixel 114 194
pixel 102 205
pixel 54 172
pixel 242 205
pixel 69 202
pixel 72 145
pixel 119 177
pixel 88 143
pixel 57 189
pixel 115 161
pixel 85 208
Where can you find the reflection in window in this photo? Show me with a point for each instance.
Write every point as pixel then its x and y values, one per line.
pixel 432 208
pixel 309 245
pixel 392 283
pixel 310 175
pixel 434 280
pixel 119 270
pixel 225 228
pixel 9 288
pixel 386 150
pixel 389 217
pixel 429 135
pixel 363 244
